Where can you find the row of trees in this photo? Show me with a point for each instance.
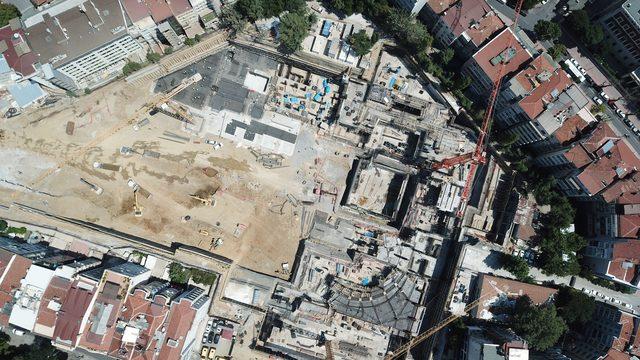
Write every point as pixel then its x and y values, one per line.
pixel 41 349
pixel 541 326
pixel 181 275
pixel 295 20
pixel 7 12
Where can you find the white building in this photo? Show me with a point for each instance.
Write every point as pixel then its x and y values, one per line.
pixel 82 43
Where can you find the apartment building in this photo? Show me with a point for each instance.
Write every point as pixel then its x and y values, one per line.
pixel 465 25
pixel 546 117
pixel 610 334
pixel 622 32
pixel 81 43
pixel 508 50
pixel 411 6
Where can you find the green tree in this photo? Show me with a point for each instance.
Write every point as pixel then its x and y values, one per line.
pixel 594 35
pixel 461 82
pixel 231 19
pixel 540 326
pixel 558 252
pixel 597 108
pixel 3 225
pixel 153 57
pixel 203 277
pixel 190 41
pixel 547 30
pixel 131 67
pixel 579 21
pixel 178 274
pixel 446 56
pixel 7 12
pixel 529 4
pixel 557 51
pixel 517 266
pixel 168 50
pixel 294 27
pixel 360 42
pixel 250 9
pixel 575 307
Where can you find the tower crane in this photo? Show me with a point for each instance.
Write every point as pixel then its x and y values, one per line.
pixel 477 157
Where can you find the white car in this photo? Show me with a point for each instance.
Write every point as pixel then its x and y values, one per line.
pixel 617 301
pixel 621 114
pixel 628 306
pixel 597 100
pixel 604 96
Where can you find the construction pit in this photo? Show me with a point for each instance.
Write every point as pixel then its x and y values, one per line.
pixel 217 198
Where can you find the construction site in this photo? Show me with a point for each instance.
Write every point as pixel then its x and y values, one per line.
pixel 273 169
pixel 132 160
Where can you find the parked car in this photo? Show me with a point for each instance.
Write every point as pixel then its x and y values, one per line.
pixel 216 338
pixel 621 114
pixel 628 306
pixel 204 338
pixel 604 96
pixel 210 338
pixel 597 100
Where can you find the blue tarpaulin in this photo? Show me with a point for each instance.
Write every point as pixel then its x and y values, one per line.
pixel 326 27
pixel 392 82
pixel 365 281
pixel 317 97
pixel 327 89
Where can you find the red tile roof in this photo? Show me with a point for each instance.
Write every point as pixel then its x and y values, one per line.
pixel 74 307
pixel 154 313
pixel 56 292
pixel 611 165
pixel 625 191
pixel 112 292
pixel 439 6
pixel 19 60
pixel 626 329
pixel 180 321
pixel 464 14
pixel 614 354
pixel 14 273
pixel 485 28
pixel 491 286
pixel 543 82
pixel 159 10
pixel 624 260
pixel 570 129
pixel 503 50
pixel 629 226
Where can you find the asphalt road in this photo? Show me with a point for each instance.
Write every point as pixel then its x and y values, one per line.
pixel 614 120
pixel 540 12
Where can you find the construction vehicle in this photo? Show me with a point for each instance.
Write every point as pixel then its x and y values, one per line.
pixel 97 189
pixel 478 157
pixel 105 166
pixel 208 201
pixel 137 208
pixel 164 101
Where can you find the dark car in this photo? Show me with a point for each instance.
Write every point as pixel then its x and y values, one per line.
pixel 216 338
pixel 210 338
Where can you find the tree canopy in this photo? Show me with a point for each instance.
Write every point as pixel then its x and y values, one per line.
pixel 361 42
pixel 178 274
pixel 7 12
pixel 559 252
pixel 575 307
pixel 231 18
pixel 580 23
pixel 516 266
pixel 547 30
pixel 540 325
pixel 557 51
pixel 252 10
pixel 294 27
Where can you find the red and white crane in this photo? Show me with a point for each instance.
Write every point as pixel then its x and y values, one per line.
pixel 478 155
